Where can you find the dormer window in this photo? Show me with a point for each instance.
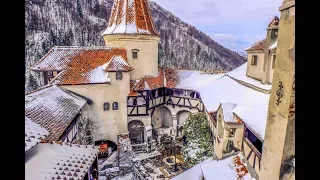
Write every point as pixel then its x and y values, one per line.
pixel 135 53
pixel 254 60
pixel 50 74
pixel 118 75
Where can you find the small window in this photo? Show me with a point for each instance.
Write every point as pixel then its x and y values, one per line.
pixel 118 75
pixel 134 55
pixel 254 60
pixel 231 132
pixel 186 93
pixel 50 74
pixel 106 106
pixel 115 106
pixel 273 61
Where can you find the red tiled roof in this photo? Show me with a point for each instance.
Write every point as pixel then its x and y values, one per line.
pixel 166 78
pixel 132 93
pixel 53 109
pixel 83 65
pixel 257 46
pixel 130 17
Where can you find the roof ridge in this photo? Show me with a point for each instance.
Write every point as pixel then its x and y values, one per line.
pixel 39 89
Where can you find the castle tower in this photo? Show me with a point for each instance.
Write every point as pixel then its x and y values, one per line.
pixel 278 153
pixel 272 35
pixel 131 27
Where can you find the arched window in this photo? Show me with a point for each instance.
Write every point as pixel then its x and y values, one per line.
pixel 106 106
pixel 115 106
pixel 135 53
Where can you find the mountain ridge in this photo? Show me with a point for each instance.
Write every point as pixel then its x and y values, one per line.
pixel 51 23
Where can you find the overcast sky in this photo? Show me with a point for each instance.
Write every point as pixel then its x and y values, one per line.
pixel 235 24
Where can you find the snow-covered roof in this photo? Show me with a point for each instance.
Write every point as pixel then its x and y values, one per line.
pixel 34 133
pixel 252 117
pixel 53 109
pixel 227 90
pixel 83 65
pixel 189 79
pixel 117 63
pixel 240 74
pixel 193 173
pixel 227 110
pixel 130 17
pixel 273 45
pixel 59 161
pixel 182 79
pixel 227 169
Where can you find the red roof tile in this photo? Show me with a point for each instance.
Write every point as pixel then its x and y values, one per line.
pixel 257 46
pixel 83 65
pixel 166 78
pixel 130 17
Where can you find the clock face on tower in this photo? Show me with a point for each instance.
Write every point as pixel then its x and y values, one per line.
pixel 118 75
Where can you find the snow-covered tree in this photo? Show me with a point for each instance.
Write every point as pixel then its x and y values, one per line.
pixel 198 136
pixel 33 84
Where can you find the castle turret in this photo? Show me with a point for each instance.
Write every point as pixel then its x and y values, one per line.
pixel 131 27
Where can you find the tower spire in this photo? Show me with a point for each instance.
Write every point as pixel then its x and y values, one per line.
pixel 130 17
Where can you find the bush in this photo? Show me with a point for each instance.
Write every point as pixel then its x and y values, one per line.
pixel 199 140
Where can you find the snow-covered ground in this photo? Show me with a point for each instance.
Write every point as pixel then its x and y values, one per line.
pixel 147 164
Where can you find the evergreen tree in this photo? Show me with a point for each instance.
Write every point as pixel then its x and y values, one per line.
pixel 96 7
pixel 198 136
pixel 79 8
pixel 33 84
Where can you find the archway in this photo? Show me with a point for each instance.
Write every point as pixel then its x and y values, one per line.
pixel 166 117
pixel 136 132
pixel 181 117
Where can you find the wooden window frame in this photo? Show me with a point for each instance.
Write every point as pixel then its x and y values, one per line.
pixel 254 60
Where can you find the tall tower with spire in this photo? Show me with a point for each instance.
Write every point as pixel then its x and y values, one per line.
pixel 131 27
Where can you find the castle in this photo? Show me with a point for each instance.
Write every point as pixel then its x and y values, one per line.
pixel 121 89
